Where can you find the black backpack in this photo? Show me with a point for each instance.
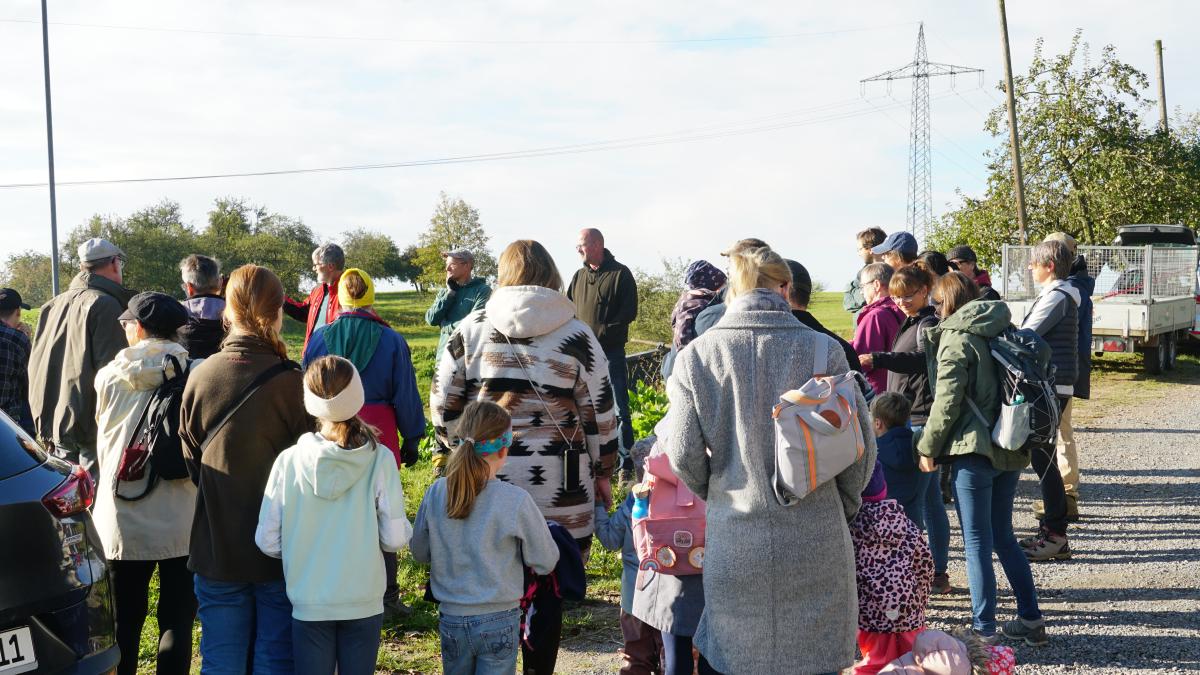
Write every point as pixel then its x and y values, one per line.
pixel 1026 377
pixel 155 450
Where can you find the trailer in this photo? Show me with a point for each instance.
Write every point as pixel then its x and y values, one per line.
pixel 1145 297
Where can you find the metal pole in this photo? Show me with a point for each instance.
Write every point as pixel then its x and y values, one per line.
pixel 1162 88
pixel 50 154
pixel 1013 138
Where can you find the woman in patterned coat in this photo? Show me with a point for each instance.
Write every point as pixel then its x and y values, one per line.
pixel 526 351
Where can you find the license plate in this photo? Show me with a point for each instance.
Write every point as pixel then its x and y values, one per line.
pixel 16 651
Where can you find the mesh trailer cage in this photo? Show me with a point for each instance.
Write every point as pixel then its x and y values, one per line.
pixel 1132 274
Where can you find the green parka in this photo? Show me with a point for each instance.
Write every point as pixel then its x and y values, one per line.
pixel 961 366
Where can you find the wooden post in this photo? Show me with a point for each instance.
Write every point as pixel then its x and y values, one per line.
pixel 1013 138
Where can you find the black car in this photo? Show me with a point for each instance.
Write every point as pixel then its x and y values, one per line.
pixel 56 610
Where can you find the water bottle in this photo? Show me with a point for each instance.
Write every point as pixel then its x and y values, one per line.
pixel 641 501
pixel 1019 399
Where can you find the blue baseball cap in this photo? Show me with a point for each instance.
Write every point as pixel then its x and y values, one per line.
pixel 897 241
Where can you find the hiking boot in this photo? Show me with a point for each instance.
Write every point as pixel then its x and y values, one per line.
pixel 394 609
pixel 1032 632
pixel 1049 546
pixel 1039 509
pixel 1032 541
pixel 941 584
pixel 992 640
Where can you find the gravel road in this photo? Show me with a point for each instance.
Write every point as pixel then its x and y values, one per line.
pixel 1129 600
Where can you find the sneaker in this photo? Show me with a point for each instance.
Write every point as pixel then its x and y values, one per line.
pixel 991 640
pixel 1032 632
pixel 1049 546
pixel 941 584
pixel 394 609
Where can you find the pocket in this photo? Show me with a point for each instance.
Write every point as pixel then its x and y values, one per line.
pixel 449 642
pixel 499 641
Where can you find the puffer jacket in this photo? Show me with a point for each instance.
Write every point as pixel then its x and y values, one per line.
pixel 77 334
pixel 1086 285
pixel 961 366
pixel 158 526
pixel 907 371
pixel 893 567
pixel 1055 316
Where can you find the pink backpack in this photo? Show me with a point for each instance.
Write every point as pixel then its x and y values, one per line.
pixel 670 538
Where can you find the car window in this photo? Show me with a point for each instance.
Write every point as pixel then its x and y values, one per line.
pixel 18 451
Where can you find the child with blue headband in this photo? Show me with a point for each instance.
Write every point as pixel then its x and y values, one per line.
pixel 479 533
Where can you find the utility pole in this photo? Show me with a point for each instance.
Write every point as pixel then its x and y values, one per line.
pixel 1162 89
pixel 50 154
pixel 1013 138
pixel 920 184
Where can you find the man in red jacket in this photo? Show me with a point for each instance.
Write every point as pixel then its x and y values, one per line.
pixel 321 307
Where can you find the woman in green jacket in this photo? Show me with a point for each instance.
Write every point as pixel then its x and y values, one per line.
pixel 963 371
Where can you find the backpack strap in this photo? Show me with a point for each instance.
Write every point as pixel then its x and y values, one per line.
pixel 978 414
pixel 251 389
pixel 820 366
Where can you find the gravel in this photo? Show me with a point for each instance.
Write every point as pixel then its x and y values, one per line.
pixel 1128 601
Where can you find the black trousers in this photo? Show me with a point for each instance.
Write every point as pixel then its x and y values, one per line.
pixel 1054 494
pixel 545 628
pixel 176 612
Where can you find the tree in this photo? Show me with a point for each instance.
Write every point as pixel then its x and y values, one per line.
pixel 410 271
pixel 455 224
pixel 239 233
pixel 29 273
pixel 154 240
pixel 657 295
pixel 373 252
pixel 1090 165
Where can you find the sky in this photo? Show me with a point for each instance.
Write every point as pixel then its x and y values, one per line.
pixel 780 140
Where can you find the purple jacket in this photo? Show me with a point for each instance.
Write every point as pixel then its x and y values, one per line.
pixel 878 324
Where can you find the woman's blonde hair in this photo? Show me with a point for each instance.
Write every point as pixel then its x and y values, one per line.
pixel 253 300
pixel 467 472
pixel 751 268
pixel 953 290
pixel 327 377
pixel 527 263
pixel 911 278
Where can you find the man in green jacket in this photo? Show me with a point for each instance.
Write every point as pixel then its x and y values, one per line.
pixel 606 299
pixel 78 333
pixel 462 295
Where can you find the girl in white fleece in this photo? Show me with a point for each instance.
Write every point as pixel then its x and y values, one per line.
pixel 332 502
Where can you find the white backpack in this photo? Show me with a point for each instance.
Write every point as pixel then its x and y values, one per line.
pixel 817 429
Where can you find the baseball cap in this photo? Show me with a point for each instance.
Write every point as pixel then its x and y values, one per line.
pixel 897 241
pixel 961 253
pixel 98 249
pixel 1065 238
pixel 156 311
pixel 10 299
pixel 460 254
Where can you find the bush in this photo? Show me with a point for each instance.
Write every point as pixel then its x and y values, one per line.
pixel 647 406
pixel 657 295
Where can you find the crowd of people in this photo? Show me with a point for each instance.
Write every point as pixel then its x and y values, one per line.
pixel 282 534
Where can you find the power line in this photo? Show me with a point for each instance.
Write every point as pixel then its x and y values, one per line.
pixel 969 171
pixel 426 41
pixel 826 113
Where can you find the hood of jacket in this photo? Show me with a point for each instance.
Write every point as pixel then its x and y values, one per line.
pixel 328 471
pixel 141 366
pixel 1067 288
pixel 880 524
pixel 528 311
pixel 1079 277
pixel 985 318
pixel 102 284
pixel 207 307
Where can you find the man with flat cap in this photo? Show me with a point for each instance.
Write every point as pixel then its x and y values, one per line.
pixel 463 294
pixel 14 360
pixel 78 333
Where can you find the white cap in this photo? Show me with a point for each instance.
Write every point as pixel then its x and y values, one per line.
pixel 98 249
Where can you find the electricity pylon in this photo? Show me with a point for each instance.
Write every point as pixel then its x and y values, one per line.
pixel 920 185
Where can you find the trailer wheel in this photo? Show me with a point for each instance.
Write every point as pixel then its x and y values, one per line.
pixel 1154 358
pixel 1172 350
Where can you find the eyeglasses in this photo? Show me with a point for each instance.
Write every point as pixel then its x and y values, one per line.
pixel 905 298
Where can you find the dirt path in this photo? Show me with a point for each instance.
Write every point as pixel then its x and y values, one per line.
pixel 1129 601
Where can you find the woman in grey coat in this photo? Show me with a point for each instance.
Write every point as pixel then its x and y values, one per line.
pixel 778 580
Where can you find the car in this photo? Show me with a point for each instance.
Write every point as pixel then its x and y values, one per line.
pixel 56 607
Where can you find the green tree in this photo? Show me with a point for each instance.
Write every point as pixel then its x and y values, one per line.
pixel 29 273
pixel 1090 164
pixel 373 252
pixel 239 233
pixel 657 295
pixel 410 270
pixel 154 240
pixel 455 224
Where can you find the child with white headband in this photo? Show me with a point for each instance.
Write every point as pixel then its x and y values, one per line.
pixel 331 503
pixel 479 533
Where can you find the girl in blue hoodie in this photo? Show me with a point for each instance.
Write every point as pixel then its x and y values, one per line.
pixel 331 503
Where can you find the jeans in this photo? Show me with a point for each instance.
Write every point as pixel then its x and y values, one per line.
pixel 352 646
pixel 244 626
pixel 937 524
pixel 176 611
pixel 619 379
pixel 643 646
pixel 485 644
pixel 984 502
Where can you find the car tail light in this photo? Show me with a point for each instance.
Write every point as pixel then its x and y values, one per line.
pixel 73 495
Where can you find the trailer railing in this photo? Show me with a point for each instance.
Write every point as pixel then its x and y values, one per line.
pixel 1131 274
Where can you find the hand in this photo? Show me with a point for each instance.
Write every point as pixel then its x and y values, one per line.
pixel 452 284
pixel 604 492
pixel 408 451
pixel 866 361
pixel 26 329
pixel 927 464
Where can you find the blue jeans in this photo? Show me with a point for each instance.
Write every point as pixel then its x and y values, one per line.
pixel 937 524
pixel 485 644
pixel 244 626
pixel 352 646
pixel 984 502
pixel 618 377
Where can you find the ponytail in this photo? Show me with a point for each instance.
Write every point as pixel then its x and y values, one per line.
pixel 751 268
pixel 253 299
pixel 467 472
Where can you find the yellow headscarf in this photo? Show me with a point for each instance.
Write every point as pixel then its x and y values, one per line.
pixel 344 298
